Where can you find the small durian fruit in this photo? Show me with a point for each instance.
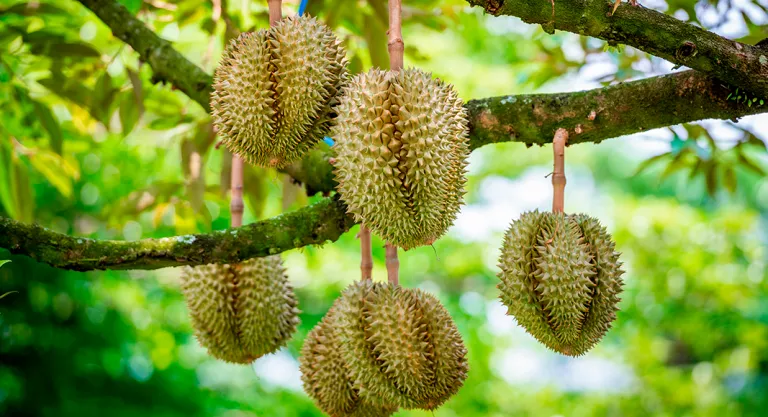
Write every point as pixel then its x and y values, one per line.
pixel 325 378
pixel 400 345
pixel 274 90
pixel 241 312
pixel 401 154
pixel 561 279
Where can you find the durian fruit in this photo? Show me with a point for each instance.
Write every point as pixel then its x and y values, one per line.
pixel 401 154
pixel 274 90
pixel 241 312
pixel 325 377
pixel 400 345
pixel 561 279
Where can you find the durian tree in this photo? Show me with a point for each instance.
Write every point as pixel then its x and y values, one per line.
pixel 366 141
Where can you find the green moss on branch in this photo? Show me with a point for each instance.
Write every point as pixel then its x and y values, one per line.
pixel 739 64
pixel 321 222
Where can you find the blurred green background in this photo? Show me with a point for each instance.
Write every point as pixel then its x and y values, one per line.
pixel 91 146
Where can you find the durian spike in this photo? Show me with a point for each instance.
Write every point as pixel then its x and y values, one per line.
pixel 366 263
pixel 558 175
pixel 393 264
pixel 275 11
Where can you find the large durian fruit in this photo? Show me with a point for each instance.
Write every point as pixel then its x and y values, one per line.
pixel 325 377
pixel 561 279
pixel 241 312
pixel 274 90
pixel 400 345
pixel 401 154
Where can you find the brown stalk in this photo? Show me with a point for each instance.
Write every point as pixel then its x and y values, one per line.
pixel 366 264
pixel 558 175
pixel 275 11
pixel 396 47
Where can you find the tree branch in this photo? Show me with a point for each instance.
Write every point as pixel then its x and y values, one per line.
pixel 312 225
pixel 167 63
pixel 739 64
pixel 589 116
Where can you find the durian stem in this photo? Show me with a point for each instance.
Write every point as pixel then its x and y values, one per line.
pixel 236 205
pixel 393 264
pixel 395 45
pixel 366 263
pixel 558 175
pixel 275 11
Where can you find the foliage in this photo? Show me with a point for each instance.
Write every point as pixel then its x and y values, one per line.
pixel 92 145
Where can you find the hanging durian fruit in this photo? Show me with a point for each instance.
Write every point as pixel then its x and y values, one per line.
pixel 325 378
pixel 241 312
pixel 400 345
pixel 401 154
pixel 274 90
pixel 560 275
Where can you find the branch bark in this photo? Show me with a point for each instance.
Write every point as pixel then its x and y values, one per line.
pixel 321 222
pixel 588 116
pixel 739 64
pixel 167 63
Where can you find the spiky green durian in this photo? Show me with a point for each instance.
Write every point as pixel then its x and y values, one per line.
pixel 241 312
pixel 560 278
pixel 400 345
pixel 401 154
pixel 325 377
pixel 274 90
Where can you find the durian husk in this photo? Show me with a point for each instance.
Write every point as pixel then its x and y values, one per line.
pixel 241 312
pixel 561 279
pixel 325 377
pixel 400 345
pixel 401 154
pixel 274 90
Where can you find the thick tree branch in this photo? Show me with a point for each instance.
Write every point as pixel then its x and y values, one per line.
pixel 312 225
pixel 167 63
pixel 589 116
pixel 739 64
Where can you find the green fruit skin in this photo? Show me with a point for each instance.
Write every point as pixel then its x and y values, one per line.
pixel 326 379
pixel 401 154
pixel 561 279
pixel 241 312
pixel 400 345
pixel 274 91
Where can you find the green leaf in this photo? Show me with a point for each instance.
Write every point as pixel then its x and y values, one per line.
pixel 32 9
pixel 729 179
pixel 650 161
pixel 56 170
pixel 4 261
pixel 748 164
pixel 710 176
pixel 129 112
pixel 64 49
pixel 133 6
pixel 15 189
pixel 676 164
pixel 8 293
pixel 50 124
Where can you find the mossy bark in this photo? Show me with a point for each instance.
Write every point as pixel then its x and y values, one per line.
pixel 664 36
pixel 589 116
pixel 312 225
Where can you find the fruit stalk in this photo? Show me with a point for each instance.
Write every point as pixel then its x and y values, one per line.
pixel 366 264
pixel 275 11
pixel 236 205
pixel 558 175
pixel 396 47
